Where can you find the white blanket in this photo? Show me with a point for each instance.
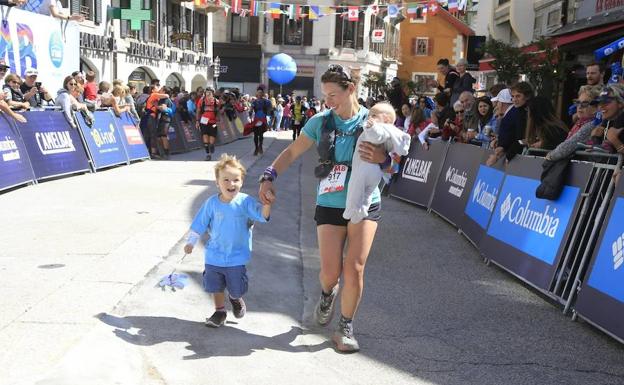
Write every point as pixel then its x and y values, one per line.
pixel 365 176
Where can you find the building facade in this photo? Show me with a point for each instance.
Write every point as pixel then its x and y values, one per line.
pixel 245 45
pixel 427 38
pixel 174 44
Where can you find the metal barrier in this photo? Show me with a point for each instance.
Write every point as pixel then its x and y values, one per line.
pixel 557 270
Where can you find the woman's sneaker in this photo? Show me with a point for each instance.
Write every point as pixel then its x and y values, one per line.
pixel 344 339
pixel 238 307
pixel 216 319
pixel 325 307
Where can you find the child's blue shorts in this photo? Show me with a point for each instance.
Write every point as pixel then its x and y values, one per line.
pixel 234 278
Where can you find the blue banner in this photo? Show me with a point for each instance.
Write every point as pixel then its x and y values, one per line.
pixel 601 298
pixel 607 274
pixel 15 166
pixel 131 137
pixel 483 195
pixel 534 226
pixel 103 140
pixel 53 146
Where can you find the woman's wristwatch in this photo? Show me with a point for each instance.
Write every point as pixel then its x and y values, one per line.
pixel 269 175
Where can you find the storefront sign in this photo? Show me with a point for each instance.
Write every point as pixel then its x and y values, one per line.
pixel 608 5
pixel 177 36
pixel 146 51
pixel 187 58
pixel 307 71
pixel 97 42
pixel 203 60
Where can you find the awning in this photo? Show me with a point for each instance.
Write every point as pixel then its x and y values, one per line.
pixel 586 34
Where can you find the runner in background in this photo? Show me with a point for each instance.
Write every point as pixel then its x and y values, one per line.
pixel 206 120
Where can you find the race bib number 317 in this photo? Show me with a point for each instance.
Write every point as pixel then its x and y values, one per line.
pixel 335 181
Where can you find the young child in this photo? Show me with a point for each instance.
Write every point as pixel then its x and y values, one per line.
pixel 226 216
pixel 365 177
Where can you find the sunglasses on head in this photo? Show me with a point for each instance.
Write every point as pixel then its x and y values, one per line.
pixel 337 68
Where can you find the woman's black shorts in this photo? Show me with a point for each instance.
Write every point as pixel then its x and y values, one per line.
pixel 209 129
pixel 332 216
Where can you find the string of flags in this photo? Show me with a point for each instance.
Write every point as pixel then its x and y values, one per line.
pixel 351 13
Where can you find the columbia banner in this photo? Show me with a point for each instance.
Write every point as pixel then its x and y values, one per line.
pixel 601 299
pixel 526 235
pixel 103 140
pixel 15 168
pixel 53 146
pixel 481 199
pixel 419 170
pixel 458 174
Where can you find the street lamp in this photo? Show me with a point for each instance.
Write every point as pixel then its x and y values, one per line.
pixel 217 70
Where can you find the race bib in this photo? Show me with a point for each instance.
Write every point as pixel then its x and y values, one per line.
pixel 203 120
pixel 335 181
pixel 297 122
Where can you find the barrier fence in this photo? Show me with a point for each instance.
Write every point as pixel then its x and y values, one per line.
pixel 547 244
pixel 47 146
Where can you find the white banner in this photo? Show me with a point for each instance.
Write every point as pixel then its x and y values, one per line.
pixel 378 36
pixel 50 45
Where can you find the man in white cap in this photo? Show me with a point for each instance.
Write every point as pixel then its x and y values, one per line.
pixel 504 109
pixel 34 92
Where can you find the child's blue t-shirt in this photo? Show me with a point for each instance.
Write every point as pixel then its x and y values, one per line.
pixel 229 228
pixel 345 147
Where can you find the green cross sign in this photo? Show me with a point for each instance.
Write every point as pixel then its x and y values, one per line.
pixel 136 14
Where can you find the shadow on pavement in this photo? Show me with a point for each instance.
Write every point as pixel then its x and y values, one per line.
pixel 223 342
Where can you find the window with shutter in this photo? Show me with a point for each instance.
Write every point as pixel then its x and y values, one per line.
pixel 308 29
pixel 360 31
pixel 278 31
pixel 254 26
pixel 339 26
pixel 75 7
pixel 97 8
pixel 413 47
pixel 430 47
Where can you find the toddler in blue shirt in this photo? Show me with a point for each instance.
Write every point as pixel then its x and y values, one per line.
pixel 228 217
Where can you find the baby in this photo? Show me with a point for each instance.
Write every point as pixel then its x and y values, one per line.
pixel 365 176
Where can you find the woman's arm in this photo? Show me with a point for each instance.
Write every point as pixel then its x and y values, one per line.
pixel 568 147
pixel 266 193
pixel 7 110
pixel 291 153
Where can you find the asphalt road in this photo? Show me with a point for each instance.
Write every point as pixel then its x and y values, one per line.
pixel 432 312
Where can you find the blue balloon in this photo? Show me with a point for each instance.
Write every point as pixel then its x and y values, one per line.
pixel 282 68
pixel 609 49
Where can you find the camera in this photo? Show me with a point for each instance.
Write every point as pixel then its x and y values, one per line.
pixel 38 84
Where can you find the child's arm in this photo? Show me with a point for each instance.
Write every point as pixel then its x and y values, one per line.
pixel 191 240
pixel 199 226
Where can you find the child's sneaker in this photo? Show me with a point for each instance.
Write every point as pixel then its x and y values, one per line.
pixel 217 319
pixel 238 307
pixel 325 307
pixel 343 338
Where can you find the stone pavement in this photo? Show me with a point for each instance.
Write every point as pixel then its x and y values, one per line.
pixel 432 313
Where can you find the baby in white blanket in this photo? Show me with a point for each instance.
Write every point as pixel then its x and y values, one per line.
pixel 365 176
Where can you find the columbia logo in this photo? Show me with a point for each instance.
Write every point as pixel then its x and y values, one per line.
pixel 505 207
pixel 449 173
pixel 618 252
pixel 477 191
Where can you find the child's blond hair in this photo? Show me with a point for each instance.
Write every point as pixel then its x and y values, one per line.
pixel 229 161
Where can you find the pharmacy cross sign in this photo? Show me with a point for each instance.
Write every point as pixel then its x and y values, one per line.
pixel 136 14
